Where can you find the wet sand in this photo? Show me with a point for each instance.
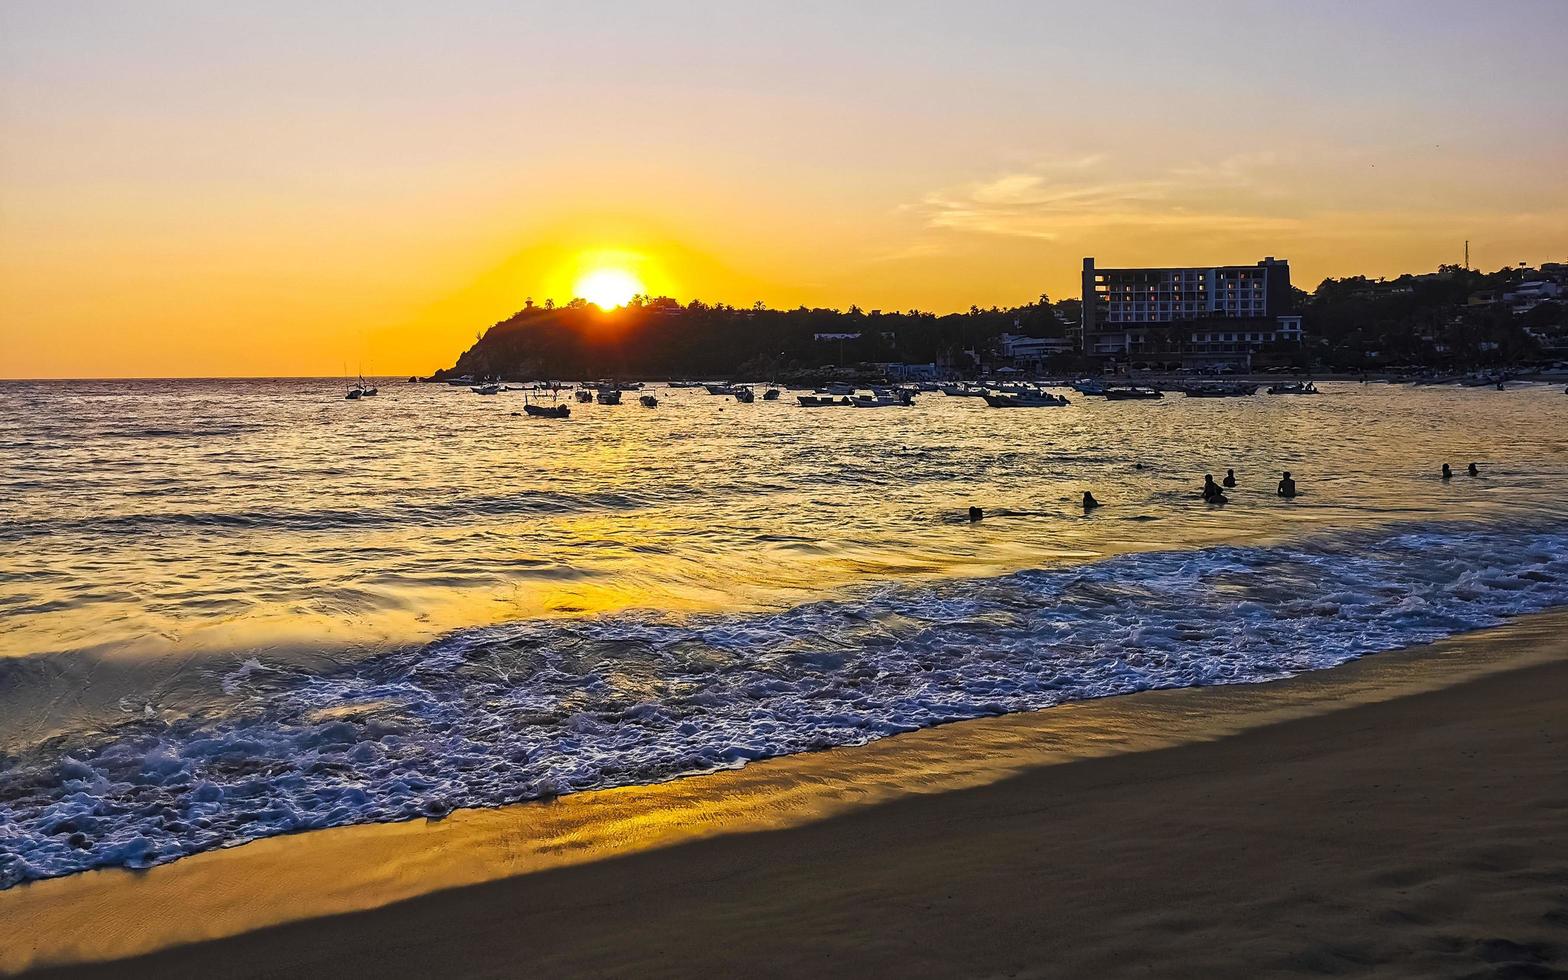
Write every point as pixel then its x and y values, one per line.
pixel 1406 815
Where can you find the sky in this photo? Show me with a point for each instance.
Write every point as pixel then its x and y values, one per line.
pixel 308 188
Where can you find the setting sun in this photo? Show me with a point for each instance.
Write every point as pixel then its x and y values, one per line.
pixel 608 288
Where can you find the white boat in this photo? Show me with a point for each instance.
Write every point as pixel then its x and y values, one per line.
pixel 486 389
pixel 608 397
pixel 1132 393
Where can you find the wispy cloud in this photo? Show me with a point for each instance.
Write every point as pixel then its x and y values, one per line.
pixel 1058 198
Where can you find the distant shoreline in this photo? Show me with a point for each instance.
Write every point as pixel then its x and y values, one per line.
pixel 1549 376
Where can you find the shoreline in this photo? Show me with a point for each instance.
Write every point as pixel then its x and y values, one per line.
pixel 311 892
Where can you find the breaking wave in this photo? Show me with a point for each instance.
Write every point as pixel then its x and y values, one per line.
pixel 539 708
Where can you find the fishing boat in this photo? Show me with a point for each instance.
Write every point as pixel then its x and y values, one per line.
pixel 1041 400
pixel 1132 393
pixel 486 389
pixel 1088 386
pixel 823 401
pixel 961 391
pixel 744 395
pixel 353 394
pixel 365 391
pixel 1293 388
pixel 610 397
pixel 685 384
pixel 719 389
pixel 771 395
pixel 648 401
pixel 1235 390
pixel 584 395
pixel 548 411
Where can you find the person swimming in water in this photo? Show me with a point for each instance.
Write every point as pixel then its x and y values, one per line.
pixel 1448 473
pixel 1230 479
pixel 1089 503
pixel 1287 486
pixel 1474 471
pixel 1212 492
pixel 975 514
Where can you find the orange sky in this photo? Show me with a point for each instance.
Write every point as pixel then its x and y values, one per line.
pixel 296 188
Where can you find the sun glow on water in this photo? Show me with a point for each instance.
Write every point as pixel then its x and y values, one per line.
pixel 608 288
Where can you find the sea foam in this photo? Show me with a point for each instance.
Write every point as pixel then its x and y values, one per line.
pixel 539 708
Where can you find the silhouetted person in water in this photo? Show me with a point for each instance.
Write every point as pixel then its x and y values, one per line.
pixel 1212 492
pixel 1448 474
pixel 1474 471
pixel 1089 503
pixel 975 514
pixel 1230 479
pixel 1287 486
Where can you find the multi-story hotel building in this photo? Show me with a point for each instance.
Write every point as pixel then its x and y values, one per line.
pixel 1192 316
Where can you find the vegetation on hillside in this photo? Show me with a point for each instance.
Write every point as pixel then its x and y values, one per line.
pixel 1450 318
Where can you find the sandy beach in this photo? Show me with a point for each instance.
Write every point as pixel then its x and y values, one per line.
pixel 1403 816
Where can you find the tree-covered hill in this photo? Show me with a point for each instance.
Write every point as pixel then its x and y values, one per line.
pixel 662 338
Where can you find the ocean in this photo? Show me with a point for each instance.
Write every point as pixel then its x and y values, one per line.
pixel 233 609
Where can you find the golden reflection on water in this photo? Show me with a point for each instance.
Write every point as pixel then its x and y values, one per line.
pixel 163 521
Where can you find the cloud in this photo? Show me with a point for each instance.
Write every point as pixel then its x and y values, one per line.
pixel 1057 198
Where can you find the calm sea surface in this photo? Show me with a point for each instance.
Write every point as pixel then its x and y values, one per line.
pixel 235 608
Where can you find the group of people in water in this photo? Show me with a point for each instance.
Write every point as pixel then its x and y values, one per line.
pixel 1214 493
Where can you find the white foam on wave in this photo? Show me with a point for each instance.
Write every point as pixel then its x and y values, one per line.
pixel 540 708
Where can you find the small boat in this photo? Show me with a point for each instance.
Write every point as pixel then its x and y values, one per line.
pixel 365 391
pixel 612 397
pixel 744 395
pixel 883 398
pixel 1293 388
pixel 461 382
pixel 486 389
pixel 1042 400
pixel 719 389
pixel 1221 390
pixel 961 391
pixel 822 401
pixel 771 395
pixel 1088 386
pixel 648 401
pixel 685 384
pixel 548 412
pixel 353 394
pixel 1132 393
pixel 584 395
